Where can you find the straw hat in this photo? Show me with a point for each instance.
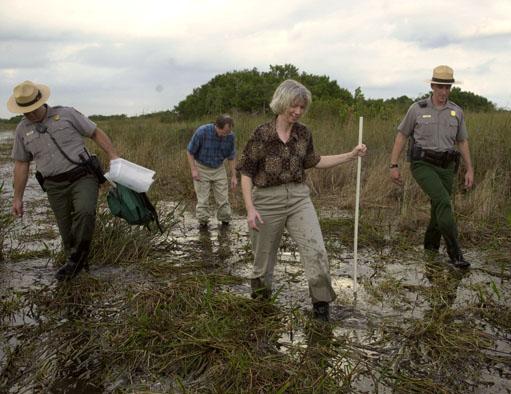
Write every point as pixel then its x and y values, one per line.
pixel 443 75
pixel 27 97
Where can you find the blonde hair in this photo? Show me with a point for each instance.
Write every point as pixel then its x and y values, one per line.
pixel 289 93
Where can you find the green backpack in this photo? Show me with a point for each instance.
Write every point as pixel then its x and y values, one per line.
pixel 133 207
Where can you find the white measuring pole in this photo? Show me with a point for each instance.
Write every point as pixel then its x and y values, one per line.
pixel 357 203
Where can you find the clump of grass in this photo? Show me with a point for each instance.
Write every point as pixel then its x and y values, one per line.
pixel 439 353
pixel 6 221
pixel 116 242
pixel 389 290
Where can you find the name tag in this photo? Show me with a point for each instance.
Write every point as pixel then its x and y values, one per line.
pixel 426 116
pixel 30 133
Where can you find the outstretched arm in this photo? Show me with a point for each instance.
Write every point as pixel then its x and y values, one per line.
pixel 335 160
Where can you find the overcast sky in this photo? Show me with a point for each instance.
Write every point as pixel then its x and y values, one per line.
pixel 133 57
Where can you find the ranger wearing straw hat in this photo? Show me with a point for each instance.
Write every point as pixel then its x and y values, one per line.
pixel 434 126
pixel 53 138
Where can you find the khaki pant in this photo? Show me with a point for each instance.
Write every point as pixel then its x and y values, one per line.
pixel 290 207
pixel 215 178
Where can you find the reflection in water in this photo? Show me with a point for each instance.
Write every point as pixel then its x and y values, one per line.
pixel 320 355
pixel 319 341
pixel 74 365
pixel 206 252
pixel 444 282
pixel 224 249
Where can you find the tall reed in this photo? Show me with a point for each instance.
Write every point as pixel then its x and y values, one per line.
pixel 162 147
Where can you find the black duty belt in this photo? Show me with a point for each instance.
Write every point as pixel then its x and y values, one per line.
pixel 69 176
pixel 441 159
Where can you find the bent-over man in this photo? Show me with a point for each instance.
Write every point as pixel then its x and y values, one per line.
pixel 210 145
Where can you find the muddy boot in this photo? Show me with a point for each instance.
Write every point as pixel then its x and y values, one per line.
pixel 75 263
pixel 68 270
pixel 259 290
pixel 432 241
pixel 321 311
pixel 454 252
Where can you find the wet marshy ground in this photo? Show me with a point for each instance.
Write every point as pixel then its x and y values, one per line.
pixel 172 313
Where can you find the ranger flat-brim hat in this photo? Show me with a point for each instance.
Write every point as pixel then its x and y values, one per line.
pixel 443 75
pixel 27 97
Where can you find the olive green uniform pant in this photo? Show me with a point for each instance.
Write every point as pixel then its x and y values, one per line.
pixel 290 207
pixel 215 178
pixel 437 183
pixel 74 206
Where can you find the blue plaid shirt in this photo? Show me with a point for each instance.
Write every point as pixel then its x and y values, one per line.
pixel 209 149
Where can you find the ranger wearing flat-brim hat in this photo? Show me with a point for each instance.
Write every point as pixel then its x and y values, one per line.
pixel 52 137
pixel 435 127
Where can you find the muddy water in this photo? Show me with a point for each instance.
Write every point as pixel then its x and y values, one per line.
pixel 394 288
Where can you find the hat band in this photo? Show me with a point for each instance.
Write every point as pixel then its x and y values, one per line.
pixel 37 98
pixel 442 80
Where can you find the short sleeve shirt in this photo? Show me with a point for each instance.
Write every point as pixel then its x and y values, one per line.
pixel 271 162
pixel 67 126
pixel 432 128
pixel 210 149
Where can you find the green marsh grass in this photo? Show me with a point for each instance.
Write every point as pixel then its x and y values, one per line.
pixel 482 211
pixel 154 323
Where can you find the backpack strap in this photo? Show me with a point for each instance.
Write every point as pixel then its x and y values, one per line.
pixel 150 206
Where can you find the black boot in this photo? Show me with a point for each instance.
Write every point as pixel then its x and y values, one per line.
pixel 259 290
pixel 321 311
pixel 432 240
pixel 68 270
pixel 454 252
pixel 76 262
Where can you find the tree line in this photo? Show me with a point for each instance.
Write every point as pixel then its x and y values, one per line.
pixel 250 91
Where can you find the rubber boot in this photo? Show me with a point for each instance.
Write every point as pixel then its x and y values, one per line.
pixel 432 240
pixel 454 252
pixel 68 270
pixel 76 262
pixel 321 311
pixel 259 290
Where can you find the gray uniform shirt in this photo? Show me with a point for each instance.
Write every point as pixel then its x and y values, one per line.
pixel 432 128
pixel 67 126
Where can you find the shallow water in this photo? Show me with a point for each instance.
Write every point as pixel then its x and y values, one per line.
pixel 394 289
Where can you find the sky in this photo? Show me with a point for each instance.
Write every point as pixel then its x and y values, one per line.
pixel 135 57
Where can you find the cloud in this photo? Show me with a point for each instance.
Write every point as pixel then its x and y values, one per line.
pixel 132 57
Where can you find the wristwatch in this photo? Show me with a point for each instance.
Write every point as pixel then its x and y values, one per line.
pixel 393 166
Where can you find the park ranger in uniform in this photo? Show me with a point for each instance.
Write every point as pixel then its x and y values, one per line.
pixel 434 126
pixel 53 138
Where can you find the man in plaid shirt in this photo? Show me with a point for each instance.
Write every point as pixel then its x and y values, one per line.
pixel 210 145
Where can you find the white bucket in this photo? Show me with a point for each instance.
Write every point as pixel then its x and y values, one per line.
pixel 131 175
